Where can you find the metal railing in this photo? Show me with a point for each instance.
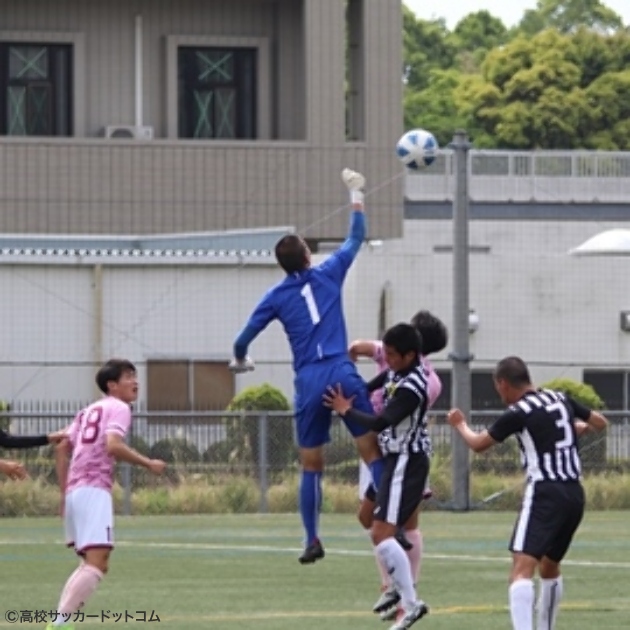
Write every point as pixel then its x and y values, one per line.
pixel 529 176
pixel 260 447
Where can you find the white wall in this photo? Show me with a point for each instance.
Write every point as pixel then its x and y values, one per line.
pixel 532 299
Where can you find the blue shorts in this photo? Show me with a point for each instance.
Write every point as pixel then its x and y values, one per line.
pixel 312 419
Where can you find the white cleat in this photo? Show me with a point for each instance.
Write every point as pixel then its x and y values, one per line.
pixel 387 600
pixel 410 617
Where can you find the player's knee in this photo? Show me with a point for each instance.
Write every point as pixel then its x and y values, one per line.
pixel 99 559
pixel 312 459
pixel 412 523
pixel 523 567
pixel 549 569
pixel 382 531
pixel 368 448
pixel 365 515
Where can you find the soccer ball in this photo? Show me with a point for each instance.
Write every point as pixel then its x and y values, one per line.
pixel 417 149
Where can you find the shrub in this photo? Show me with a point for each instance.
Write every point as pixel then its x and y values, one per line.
pixel 5 421
pixel 174 451
pixel 592 445
pixel 243 432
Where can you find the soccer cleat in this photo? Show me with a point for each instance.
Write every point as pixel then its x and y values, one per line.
pixel 395 612
pixel 419 610
pixel 352 179
pixel 312 553
pixel 387 600
pixel 401 539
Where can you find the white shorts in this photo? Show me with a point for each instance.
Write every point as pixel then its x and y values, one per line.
pixel 89 519
pixel 365 479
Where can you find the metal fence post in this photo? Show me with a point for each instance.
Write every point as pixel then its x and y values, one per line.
pixel 461 395
pixel 263 459
pixel 126 479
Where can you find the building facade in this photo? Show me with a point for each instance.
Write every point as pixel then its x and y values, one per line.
pixel 145 116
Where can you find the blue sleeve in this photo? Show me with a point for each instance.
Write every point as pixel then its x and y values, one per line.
pixel 262 316
pixel 337 265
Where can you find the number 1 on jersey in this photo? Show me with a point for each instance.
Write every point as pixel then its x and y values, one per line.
pixel 307 294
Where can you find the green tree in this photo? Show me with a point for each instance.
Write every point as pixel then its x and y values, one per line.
pixel 425 46
pixel 243 433
pixel 568 15
pixel 592 445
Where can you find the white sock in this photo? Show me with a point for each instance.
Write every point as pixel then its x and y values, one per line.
pixel 395 559
pixel 549 599
pixel 522 604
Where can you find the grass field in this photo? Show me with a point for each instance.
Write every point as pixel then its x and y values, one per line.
pixel 241 571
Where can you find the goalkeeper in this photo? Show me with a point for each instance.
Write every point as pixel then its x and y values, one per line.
pixel 308 303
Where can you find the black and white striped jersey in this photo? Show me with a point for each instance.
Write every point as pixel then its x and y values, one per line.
pixel 543 423
pixel 411 435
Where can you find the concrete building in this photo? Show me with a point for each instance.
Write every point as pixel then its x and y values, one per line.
pixel 144 116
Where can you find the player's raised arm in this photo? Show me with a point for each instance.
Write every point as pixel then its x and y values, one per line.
pixel 364 348
pixel 263 315
pixel 339 262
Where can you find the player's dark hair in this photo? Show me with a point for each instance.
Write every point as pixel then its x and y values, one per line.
pixel 432 330
pixel 403 338
pixel 291 253
pixel 514 371
pixel 113 371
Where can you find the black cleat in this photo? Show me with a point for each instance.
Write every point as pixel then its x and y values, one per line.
pixel 401 539
pixel 312 553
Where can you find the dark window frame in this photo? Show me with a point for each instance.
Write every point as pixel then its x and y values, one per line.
pixel 246 95
pixel 52 83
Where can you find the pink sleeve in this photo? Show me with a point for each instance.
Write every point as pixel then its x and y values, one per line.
pixel 434 383
pixel 119 421
pixel 377 352
pixel 73 430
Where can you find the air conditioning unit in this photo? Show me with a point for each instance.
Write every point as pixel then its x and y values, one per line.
pixel 129 132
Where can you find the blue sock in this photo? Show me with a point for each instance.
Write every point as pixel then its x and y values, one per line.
pixel 310 502
pixel 376 468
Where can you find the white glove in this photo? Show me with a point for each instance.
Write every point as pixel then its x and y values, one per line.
pixel 239 367
pixel 355 182
pixel 352 179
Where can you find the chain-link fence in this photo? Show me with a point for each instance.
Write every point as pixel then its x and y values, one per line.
pixel 246 462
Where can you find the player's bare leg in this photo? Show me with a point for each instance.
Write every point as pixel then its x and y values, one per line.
pixel 522 591
pixel 550 594
pixel 80 586
pixel 398 566
pixel 312 460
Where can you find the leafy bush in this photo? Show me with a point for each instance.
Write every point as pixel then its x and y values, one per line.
pixel 243 433
pixel 592 445
pixel 5 421
pixel 240 494
pixel 175 451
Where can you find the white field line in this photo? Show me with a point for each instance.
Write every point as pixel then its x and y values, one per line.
pixel 329 550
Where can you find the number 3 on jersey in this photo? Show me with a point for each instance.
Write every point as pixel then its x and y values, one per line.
pixel 91 426
pixel 564 423
pixel 307 294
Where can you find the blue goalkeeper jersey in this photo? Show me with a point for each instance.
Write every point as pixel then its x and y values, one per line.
pixel 308 304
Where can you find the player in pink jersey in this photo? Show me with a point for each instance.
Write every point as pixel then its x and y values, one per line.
pixel 434 337
pixel 96 441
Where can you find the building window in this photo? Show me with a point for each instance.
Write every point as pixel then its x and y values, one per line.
pixel 36 89
pixel 612 386
pixel 188 385
pixel 217 92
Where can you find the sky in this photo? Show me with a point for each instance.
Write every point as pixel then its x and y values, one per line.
pixel 510 11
